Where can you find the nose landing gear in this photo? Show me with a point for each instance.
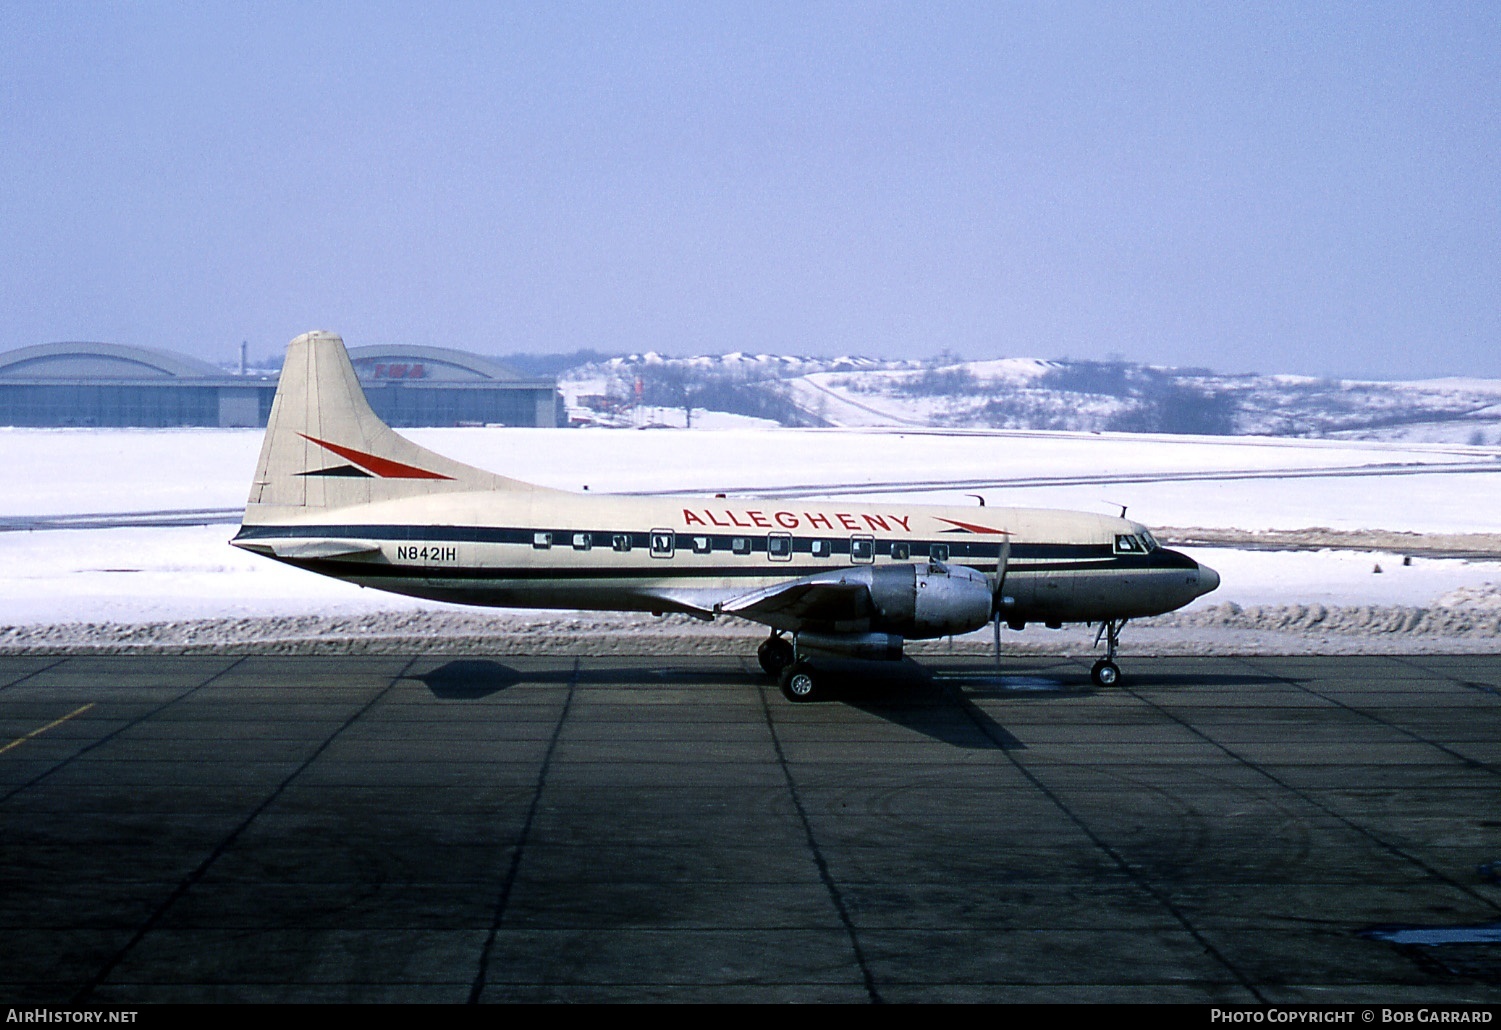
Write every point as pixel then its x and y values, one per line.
pixel 1105 672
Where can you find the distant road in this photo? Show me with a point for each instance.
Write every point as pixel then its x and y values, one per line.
pixel 1469 546
pixel 1490 466
pixel 123 519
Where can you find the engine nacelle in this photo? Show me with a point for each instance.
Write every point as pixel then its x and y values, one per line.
pixel 931 600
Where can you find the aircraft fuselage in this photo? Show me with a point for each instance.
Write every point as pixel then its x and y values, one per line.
pixel 691 555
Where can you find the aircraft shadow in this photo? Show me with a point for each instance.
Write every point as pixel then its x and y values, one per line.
pixel 1195 679
pixel 908 694
pixel 1075 682
pixel 1016 680
pixel 471 679
pixel 905 693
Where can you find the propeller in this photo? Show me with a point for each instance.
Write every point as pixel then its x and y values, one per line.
pixel 997 597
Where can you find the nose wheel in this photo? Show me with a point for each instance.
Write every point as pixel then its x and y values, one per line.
pixel 1105 672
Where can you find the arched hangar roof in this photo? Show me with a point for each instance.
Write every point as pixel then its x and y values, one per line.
pixel 442 364
pixel 74 361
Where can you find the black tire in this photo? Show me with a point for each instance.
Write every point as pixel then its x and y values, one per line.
pixel 774 654
pixel 800 683
pixel 1105 673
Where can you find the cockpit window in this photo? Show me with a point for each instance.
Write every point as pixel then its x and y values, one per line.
pixel 1127 543
pixel 1148 539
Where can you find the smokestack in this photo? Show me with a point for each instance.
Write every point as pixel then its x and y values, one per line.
pixel 244 357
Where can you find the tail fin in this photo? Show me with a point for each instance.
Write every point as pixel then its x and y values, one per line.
pixel 325 448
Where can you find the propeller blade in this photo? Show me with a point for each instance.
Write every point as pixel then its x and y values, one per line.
pixel 997 623
pixel 1003 560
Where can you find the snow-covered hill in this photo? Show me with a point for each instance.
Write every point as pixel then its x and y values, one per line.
pixel 1026 394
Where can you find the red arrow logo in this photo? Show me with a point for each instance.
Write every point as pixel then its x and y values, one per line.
pixel 383 467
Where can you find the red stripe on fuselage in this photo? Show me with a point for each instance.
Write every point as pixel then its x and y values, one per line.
pixel 383 467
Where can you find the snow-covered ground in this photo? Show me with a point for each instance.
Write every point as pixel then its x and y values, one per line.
pixel 134 575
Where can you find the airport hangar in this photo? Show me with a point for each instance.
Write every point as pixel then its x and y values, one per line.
pixel 106 384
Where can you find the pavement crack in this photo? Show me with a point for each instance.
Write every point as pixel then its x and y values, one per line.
pixel 187 882
pixel 1130 871
pixel 482 972
pixel 64 763
pixel 836 897
pixel 33 673
pixel 1313 802
pixel 1473 763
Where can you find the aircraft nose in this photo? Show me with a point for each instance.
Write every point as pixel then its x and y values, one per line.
pixel 1209 580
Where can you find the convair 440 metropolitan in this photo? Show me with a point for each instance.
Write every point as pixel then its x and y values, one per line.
pixel 338 492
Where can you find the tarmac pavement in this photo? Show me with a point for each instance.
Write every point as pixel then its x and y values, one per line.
pixel 389 828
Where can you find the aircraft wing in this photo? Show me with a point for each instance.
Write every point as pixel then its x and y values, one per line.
pixel 820 599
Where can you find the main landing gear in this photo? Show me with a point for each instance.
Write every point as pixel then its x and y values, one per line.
pixel 796 676
pixel 775 654
pixel 1105 672
pixel 799 682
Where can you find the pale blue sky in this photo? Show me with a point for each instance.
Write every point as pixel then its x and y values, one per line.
pixel 1275 187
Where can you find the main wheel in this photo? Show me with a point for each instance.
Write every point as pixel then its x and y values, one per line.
pixel 774 654
pixel 1105 673
pixel 800 683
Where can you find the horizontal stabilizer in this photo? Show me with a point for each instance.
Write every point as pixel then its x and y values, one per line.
pixel 310 548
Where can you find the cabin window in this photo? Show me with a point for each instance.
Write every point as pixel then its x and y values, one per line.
pixel 938 552
pixel 821 548
pixel 901 552
pixel 663 543
pixel 779 547
pixel 621 542
pixel 862 549
pixel 702 545
pixel 1125 543
pixel 541 541
pixel 582 541
pixel 740 545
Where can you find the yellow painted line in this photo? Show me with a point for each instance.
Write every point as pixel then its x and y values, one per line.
pixel 36 733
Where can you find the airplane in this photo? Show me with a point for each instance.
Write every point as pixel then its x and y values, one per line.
pixel 338 492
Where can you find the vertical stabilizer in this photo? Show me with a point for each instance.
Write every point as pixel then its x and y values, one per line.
pixel 325 448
